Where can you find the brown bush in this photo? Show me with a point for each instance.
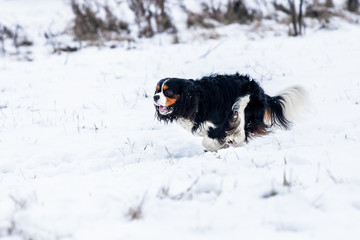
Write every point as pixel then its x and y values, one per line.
pixel 235 11
pixel 352 5
pixel 238 12
pixel 88 26
pixel 320 12
pixel 15 36
pixel 147 10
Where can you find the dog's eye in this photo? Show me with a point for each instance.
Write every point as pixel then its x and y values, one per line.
pixel 168 92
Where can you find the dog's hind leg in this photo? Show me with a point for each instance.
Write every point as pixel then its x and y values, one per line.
pixel 236 136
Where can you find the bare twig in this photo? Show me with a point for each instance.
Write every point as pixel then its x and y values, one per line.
pixel 293 16
pixel 136 212
pixel 171 161
pixel 210 50
pixel 300 21
pixel 164 192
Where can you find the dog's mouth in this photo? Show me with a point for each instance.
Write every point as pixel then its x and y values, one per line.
pixel 163 110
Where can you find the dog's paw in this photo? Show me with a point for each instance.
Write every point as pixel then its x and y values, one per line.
pixel 213 145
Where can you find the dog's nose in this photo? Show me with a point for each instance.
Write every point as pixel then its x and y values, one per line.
pixel 156 97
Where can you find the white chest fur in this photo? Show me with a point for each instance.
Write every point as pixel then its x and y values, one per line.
pixel 202 129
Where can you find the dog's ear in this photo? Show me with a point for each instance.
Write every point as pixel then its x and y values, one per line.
pixel 188 89
pixel 188 102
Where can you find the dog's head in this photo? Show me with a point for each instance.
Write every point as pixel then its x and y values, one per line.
pixel 175 98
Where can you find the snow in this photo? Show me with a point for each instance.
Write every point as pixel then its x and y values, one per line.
pixel 81 150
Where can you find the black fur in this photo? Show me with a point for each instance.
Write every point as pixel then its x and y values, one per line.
pixel 211 98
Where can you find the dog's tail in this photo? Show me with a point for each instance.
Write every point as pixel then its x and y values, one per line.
pixel 282 109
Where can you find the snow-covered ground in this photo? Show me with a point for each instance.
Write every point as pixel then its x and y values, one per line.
pixel 82 156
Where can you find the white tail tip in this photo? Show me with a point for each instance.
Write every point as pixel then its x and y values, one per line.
pixel 295 101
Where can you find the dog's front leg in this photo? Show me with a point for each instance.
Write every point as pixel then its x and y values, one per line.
pixel 213 144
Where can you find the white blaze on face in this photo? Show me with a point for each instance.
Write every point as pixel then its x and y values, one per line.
pixel 161 102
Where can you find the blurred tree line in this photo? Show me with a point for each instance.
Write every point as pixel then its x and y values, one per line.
pixel 97 22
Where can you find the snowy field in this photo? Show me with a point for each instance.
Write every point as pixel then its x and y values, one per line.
pixel 83 157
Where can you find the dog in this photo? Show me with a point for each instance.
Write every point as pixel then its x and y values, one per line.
pixel 226 110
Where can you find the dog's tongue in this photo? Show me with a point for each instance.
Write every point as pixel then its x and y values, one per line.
pixel 162 108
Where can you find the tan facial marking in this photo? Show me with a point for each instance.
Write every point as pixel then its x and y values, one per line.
pixel 165 87
pixel 171 101
pixel 158 87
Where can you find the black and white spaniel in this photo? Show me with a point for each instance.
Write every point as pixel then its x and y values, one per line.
pixel 227 110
